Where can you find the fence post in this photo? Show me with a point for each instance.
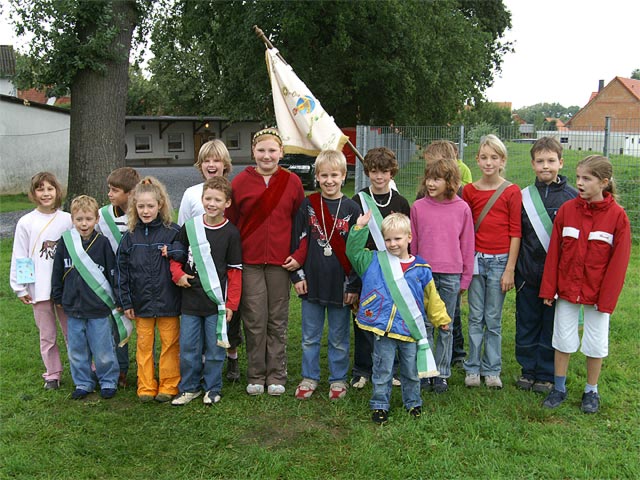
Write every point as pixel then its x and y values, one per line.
pixel 461 143
pixel 607 128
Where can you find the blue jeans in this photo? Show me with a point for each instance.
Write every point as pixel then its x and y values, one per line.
pixel 448 286
pixel 485 316
pixel 384 353
pixel 122 353
pixel 198 333
pixel 362 351
pixel 339 319
pixel 458 335
pixel 534 331
pixel 92 338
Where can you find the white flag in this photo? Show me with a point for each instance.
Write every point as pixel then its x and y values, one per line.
pixel 303 124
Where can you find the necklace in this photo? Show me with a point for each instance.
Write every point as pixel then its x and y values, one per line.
pixel 328 251
pixel 381 204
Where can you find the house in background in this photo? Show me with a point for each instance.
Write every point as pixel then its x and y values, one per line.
pixel 7 70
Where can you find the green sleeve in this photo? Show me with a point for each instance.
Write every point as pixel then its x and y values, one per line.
pixel 359 256
pixel 465 173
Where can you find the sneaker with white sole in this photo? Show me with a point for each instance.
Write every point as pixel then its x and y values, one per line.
pixel 185 397
pixel 211 398
pixel 359 382
pixel 337 390
pixel 275 390
pixel 306 388
pixel 472 380
pixel 493 381
pixel 255 389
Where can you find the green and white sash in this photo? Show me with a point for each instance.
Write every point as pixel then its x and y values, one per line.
pixel 537 213
pixel 201 251
pixel 109 228
pixel 374 227
pixel 411 314
pixel 97 282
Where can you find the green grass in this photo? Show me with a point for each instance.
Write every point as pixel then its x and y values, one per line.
pixel 12 203
pixel 462 434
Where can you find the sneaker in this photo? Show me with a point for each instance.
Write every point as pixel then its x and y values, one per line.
pixel 163 397
pixel 525 383
pixel 337 390
pixel 472 380
pixel 554 399
pixel 122 380
pixel 255 389
pixel 493 381
pixel 211 398
pixel 305 389
pixel 185 397
pixel 51 384
pixel 275 390
pixel 542 387
pixel 440 385
pixel 108 393
pixel 415 412
pixel 79 394
pixel 380 417
pixel 590 402
pixel 146 398
pixel 426 384
pixel 396 381
pixel 233 369
pixel 359 382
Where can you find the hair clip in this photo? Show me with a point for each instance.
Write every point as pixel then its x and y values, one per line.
pixel 146 181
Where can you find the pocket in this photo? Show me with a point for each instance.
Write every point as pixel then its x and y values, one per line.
pixel 370 307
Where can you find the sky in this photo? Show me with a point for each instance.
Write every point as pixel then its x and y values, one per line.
pixel 562 49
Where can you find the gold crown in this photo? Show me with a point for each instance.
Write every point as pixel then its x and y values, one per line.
pixel 267 131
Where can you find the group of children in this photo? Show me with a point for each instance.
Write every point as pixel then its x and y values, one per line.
pixel 400 269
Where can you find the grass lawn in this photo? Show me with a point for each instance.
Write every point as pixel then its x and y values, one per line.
pixel 12 203
pixel 462 434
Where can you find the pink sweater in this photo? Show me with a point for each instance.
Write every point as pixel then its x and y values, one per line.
pixel 443 234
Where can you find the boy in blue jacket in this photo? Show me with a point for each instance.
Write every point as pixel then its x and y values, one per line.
pixel 390 280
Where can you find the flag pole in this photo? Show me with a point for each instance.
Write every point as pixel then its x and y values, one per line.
pixel 260 34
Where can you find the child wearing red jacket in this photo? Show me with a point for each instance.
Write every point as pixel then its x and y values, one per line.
pixel 585 266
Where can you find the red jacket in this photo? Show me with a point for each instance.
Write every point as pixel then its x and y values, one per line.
pixel 588 254
pixel 271 242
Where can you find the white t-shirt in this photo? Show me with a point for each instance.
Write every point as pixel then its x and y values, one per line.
pixel 191 204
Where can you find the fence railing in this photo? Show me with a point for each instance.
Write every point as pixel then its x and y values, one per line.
pixel 619 140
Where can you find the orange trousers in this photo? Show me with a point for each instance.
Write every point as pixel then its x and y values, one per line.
pixel 169 367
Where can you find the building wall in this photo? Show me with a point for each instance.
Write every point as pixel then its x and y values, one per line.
pixel 614 101
pixel 32 139
pixel 6 87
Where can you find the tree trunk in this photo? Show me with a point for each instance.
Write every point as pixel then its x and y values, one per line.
pixel 98 109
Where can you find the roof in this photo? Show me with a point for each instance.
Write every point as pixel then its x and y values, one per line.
pixel 632 85
pixel 173 118
pixel 39 96
pixel 7 61
pixel 27 103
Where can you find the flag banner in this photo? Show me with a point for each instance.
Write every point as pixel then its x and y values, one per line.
pixel 304 125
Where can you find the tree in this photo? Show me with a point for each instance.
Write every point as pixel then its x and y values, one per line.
pixel 537 113
pixel 486 112
pixel 83 47
pixel 143 97
pixel 636 74
pixel 400 61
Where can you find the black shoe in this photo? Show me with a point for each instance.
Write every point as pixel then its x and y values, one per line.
pixel 79 394
pixel 426 384
pixel 51 384
pixel 440 385
pixel 415 412
pixel 590 402
pixel 380 417
pixel 554 399
pixel 108 393
pixel 233 369
pixel 525 383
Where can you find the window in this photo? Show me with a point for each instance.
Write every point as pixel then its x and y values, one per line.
pixel 176 142
pixel 143 143
pixel 233 140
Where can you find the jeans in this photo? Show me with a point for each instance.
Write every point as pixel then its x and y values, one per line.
pixel 485 316
pixel 338 340
pixel 362 351
pixel 534 330
pixel 122 353
pixel 384 353
pixel 458 336
pixel 92 339
pixel 448 286
pixel 198 333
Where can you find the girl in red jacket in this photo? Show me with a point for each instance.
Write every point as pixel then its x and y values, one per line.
pixel 585 267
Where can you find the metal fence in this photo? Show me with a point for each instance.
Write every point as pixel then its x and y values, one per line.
pixel 619 140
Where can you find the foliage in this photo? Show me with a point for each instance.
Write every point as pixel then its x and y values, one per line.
pixel 143 97
pixel 479 130
pixel 636 74
pixel 487 112
pixel 386 61
pixel 537 113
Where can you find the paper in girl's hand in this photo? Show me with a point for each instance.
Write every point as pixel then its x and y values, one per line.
pixel 25 271
pixel 164 250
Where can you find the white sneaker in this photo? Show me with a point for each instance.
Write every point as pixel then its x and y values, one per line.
pixel 472 380
pixel 493 381
pixel 275 390
pixel 360 382
pixel 185 397
pixel 210 399
pixel 396 382
pixel 255 389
